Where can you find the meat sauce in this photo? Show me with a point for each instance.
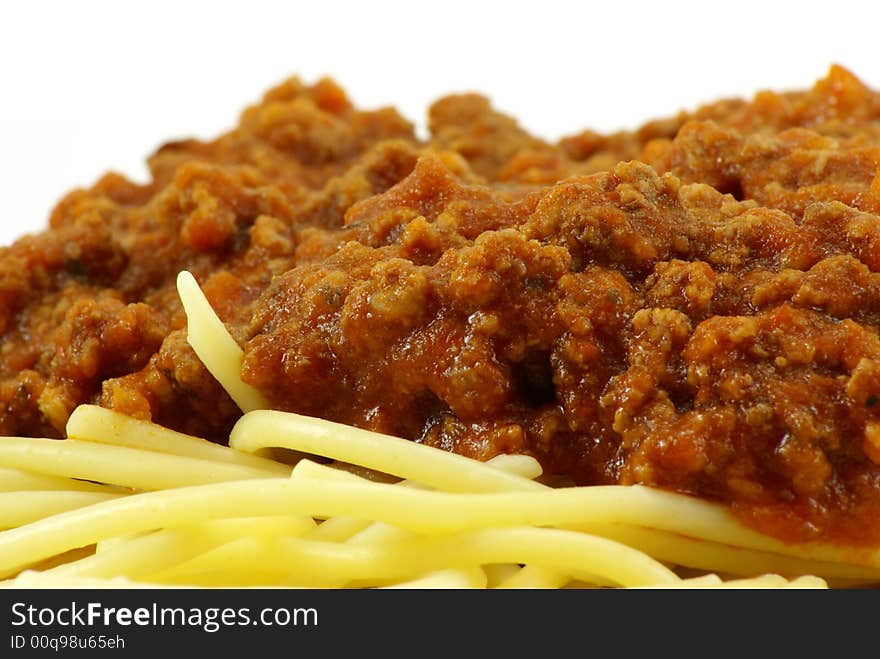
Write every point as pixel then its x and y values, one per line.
pixel 694 305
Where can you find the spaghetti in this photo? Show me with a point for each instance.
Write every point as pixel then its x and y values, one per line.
pixel 149 506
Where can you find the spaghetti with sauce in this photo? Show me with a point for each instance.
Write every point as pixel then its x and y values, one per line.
pixel 683 313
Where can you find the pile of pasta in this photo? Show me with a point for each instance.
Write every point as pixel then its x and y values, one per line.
pixel 296 501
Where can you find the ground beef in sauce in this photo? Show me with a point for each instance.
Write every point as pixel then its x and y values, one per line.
pixel 694 305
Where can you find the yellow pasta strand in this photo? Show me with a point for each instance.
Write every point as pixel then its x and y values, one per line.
pixel 765 581
pixel 340 529
pixel 20 508
pixel 214 346
pixel 117 465
pixel 806 581
pixel 144 555
pixel 390 455
pixel 730 559
pixel 312 561
pixel 97 424
pixel 472 578
pixel 15 480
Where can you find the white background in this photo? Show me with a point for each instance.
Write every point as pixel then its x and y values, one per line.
pixel 91 86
